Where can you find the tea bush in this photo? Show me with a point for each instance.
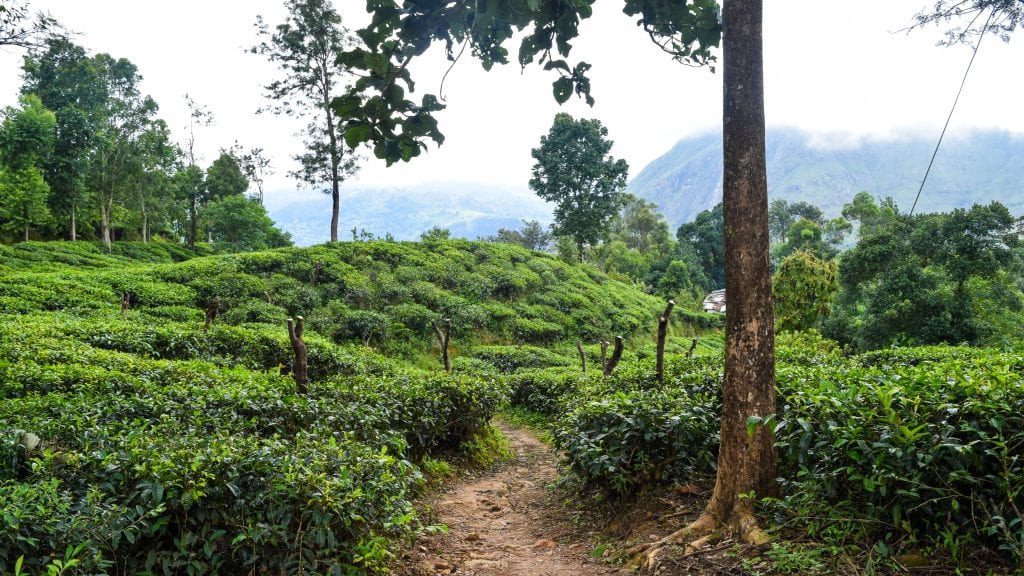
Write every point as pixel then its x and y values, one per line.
pixel 169 447
pixel 911 447
pixel 156 464
pixel 508 359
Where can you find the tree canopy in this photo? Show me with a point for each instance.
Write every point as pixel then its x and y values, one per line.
pixel 574 170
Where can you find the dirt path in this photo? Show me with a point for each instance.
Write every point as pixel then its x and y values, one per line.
pixel 506 522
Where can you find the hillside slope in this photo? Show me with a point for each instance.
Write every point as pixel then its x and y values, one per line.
pixel 979 167
pixel 135 439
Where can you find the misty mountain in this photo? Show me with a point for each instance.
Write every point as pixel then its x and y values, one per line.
pixel 975 168
pixel 467 210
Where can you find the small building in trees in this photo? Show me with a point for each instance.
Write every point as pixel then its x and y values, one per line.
pixel 715 302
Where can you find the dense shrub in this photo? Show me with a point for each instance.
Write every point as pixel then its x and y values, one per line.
pixel 161 465
pixel 171 448
pixel 621 440
pixel 545 391
pixel 906 447
pixel 510 359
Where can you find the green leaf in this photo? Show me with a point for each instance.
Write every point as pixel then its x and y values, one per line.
pixel 346 106
pixel 357 134
pixel 562 90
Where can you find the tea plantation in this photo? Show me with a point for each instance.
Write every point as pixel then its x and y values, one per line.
pixel 134 439
pixel 895 454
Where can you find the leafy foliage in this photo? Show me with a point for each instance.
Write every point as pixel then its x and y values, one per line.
pixel 892 450
pixel 573 170
pixel 804 287
pixel 909 278
pixel 377 110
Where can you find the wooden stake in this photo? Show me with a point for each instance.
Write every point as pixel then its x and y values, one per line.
pixel 583 356
pixel 443 338
pixel 299 367
pixel 211 312
pixel 662 333
pixel 616 356
pixel 126 302
pixel 693 346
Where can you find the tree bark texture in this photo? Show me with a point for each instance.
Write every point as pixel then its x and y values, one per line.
pixel 443 338
pixel 662 334
pixel 745 463
pixel 299 367
pixel 616 356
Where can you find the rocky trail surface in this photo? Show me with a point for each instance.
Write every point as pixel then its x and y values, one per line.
pixel 507 522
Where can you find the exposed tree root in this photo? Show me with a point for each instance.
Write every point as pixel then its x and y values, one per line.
pixel 703 531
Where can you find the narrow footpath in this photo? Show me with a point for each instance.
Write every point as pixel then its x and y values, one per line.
pixel 506 522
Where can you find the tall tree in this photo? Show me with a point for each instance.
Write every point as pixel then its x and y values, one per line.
pixel 26 140
pixel 154 159
pixel 574 170
pixel 782 215
pixel 706 234
pixel 127 114
pixel 378 111
pixel 192 185
pixel 641 226
pixel 69 83
pixel 306 47
pixel 256 167
pixel 746 461
pixel 240 224
pixel 224 177
pixel 189 185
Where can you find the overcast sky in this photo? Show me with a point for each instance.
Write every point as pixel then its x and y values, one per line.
pixel 840 70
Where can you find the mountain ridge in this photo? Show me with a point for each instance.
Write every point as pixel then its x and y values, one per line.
pixel 980 166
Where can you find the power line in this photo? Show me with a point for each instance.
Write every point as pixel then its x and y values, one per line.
pixel 951 110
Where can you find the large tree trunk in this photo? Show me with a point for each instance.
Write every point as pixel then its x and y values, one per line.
pixel 745 463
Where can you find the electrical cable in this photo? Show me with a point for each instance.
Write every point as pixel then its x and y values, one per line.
pixel 953 109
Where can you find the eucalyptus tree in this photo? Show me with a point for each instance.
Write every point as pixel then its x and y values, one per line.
pixel 192 186
pixel 127 115
pixel 154 160
pixel 574 171
pixel 378 111
pixel 305 47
